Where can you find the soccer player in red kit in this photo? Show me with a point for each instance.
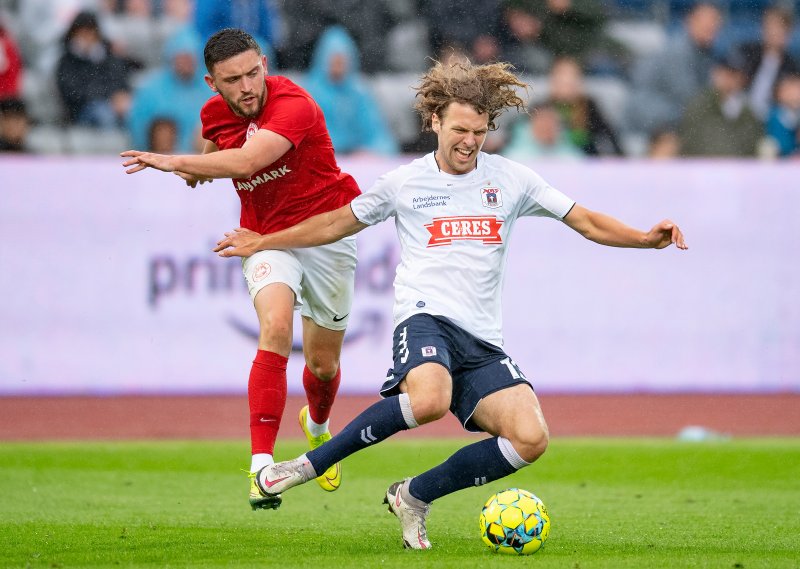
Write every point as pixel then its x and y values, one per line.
pixel 269 136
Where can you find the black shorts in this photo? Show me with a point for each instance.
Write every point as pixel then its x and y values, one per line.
pixel 477 367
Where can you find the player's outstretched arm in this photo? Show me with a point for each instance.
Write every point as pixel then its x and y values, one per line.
pixel 318 230
pixel 261 150
pixel 606 230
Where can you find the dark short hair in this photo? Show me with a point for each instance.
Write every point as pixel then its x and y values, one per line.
pixel 227 43
pixel 12 106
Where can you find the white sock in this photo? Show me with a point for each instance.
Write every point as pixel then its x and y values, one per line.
pixel 316 429
pixel 260 460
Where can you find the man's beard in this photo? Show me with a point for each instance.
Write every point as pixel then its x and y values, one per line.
pixel 238 110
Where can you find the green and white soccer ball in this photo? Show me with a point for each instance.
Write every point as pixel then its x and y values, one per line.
pixel 514 521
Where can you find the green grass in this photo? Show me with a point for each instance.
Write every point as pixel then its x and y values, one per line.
pixel 613 503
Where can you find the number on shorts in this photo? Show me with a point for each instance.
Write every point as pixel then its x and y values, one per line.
pixel 513 368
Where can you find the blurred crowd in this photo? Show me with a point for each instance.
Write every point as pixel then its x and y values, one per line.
pixel 662 78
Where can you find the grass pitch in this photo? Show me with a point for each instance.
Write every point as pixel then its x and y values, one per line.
pixel 613 503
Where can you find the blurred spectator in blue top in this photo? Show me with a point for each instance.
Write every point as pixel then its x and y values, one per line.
pixel 368 21
pixel 663 84
pixel 540 135
pixel 783 122
pixel 257 17
pixel 355 121
pixel 92 81
pixel 175 91
pixel 767 59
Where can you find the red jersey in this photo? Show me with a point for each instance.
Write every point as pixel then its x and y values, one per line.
pixel 300 184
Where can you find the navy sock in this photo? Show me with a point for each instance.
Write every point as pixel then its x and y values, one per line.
pixel 473 465
pixel 376 423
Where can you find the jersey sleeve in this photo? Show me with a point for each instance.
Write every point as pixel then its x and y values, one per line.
pixel 209 118
pixel 378 203
pixel 293 116
pixel 540 199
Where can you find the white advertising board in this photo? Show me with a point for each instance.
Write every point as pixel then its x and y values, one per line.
pixel 108 284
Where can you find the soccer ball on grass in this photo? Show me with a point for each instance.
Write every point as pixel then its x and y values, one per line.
pixel 514 521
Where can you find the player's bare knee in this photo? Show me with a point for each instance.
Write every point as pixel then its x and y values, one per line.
pixel 275 336
pixel 322 369
pixel 531 444
pixel 429 409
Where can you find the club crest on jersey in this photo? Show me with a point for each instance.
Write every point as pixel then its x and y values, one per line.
pixel 252 128
pixel 491 197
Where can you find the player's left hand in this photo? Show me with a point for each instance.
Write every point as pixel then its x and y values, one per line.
pixel 240 242
pixel 140 160
pixel 192 180
pixel 665 234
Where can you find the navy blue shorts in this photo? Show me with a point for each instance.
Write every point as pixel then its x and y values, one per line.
pixel 477 367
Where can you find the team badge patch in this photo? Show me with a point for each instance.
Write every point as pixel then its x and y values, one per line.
pixel 261 272
pixel 251 130
pixel 428 351
pixel 491 197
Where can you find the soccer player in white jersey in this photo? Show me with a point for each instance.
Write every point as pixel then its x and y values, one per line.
pixel 454 210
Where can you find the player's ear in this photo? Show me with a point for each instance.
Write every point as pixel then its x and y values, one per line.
pixel 264 63
pixel 436 124
pixel 210 82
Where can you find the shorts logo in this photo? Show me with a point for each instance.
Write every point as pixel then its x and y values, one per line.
pixel 261 272
pixel 428 351
pixel 252 128
pixel 491 197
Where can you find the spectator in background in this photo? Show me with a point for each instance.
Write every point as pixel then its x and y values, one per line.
pixel 354 119
pixel 718 121
pixel 259 18
pixel 132 31
pixel 40 27
pixel 176 91
pixel 584 123
pixel 663 84
pixel 162 136
pixel 92 81
pixel 783 121
pixel 10 65
pixel 664 144
pixel 540 135
pixel 473 28
pixel 520 40
pixel 367 21
pixel 14 125
pixel 767 59
pixel 573 28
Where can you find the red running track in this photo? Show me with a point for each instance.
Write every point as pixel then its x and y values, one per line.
pixel 226 417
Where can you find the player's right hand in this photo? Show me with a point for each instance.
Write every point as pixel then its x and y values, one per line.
pixel 139 160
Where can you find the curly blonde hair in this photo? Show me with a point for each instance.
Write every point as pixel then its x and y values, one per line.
pixel 489 88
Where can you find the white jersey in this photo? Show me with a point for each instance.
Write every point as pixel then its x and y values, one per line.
pixel 454 233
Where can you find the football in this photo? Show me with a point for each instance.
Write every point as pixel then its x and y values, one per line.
pixel 514 521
